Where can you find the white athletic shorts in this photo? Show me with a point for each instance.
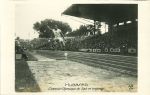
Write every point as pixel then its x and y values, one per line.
pixel 59 38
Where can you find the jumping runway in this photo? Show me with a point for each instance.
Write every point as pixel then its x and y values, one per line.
pixel 118 63
pixel 101 71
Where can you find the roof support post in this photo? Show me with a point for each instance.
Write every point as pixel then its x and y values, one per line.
pixel 94 27
pixel 110 25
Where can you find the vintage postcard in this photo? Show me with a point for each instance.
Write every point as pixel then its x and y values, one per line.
pixel 75 47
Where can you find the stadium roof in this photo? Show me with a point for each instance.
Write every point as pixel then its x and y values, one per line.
pixel 111 13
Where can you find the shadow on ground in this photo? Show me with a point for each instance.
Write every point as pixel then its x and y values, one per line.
pixel 24 79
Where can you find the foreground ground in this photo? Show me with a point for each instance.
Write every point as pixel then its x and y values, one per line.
pixel 51 71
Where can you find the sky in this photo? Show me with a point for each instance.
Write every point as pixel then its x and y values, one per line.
pixel 26 14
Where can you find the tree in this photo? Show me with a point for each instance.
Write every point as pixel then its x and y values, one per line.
pixel 42 27
pixel 82 31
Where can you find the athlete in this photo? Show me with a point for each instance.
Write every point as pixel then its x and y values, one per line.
pixel 58 37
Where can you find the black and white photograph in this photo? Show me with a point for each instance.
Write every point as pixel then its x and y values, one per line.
pixel 76 47
pixel 71 47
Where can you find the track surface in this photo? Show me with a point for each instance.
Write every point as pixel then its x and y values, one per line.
pixel 51 73
pixel 118 63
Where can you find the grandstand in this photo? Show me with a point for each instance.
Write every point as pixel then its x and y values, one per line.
pixel 121 37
